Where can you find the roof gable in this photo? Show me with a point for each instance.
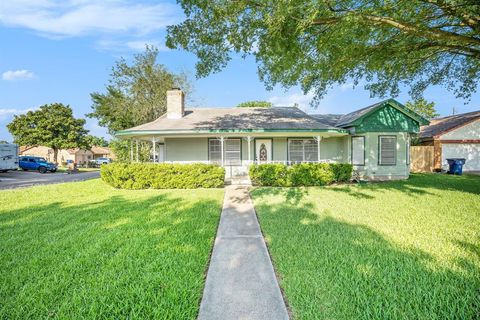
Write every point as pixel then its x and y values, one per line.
pixel 386 119
pixel 357 117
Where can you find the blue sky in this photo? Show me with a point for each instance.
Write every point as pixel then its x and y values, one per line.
pixel 61 51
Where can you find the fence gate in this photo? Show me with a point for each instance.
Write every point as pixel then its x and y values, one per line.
pixel 421 159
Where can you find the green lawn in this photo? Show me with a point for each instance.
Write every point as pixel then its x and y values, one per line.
pixel 86 251
pixel 395 250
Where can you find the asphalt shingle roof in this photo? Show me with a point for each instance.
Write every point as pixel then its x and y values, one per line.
pixel 441 125
pixel 276 118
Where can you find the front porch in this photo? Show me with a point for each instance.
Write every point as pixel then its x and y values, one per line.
pixel 237 152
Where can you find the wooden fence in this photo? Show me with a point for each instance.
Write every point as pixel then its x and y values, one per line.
pixel 421 159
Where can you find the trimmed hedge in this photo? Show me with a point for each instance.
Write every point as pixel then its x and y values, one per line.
pixel 162 175
pixel 302 174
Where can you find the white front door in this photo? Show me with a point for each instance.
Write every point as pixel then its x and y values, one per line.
pixel 263 150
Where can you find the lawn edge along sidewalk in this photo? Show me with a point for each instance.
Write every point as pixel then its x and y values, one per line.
pixel 241 282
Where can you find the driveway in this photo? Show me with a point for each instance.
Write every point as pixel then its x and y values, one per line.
pixel 17 179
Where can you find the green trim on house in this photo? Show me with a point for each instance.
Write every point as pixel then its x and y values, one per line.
pixel 394 104
pixel 146 132
pixel 386 119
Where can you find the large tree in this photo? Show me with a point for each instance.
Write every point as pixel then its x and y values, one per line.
pixel 320 43
pixel 52 125
pixel 136 92
pixel 423 107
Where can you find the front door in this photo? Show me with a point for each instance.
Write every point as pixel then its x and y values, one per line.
pixel 263 150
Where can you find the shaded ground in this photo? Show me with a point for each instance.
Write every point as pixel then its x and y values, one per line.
pixel 396 250
pixel 17 179
pixel 87 251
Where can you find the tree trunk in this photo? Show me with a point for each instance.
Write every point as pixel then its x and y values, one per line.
pixel 55 154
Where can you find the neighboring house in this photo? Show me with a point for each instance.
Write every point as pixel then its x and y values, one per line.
pixel 79 156
pixel 38 151
pixel 456 136
pixel 102 152
pixel 374 139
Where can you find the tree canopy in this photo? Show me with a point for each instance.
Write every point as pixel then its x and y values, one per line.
pixel 423 107
pixel 320 43
pixel 136 92
pixel 255 104
pixel 52 125
pixel 97 141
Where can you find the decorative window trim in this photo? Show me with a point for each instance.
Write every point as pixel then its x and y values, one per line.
pixel 364 150
pixel 380 137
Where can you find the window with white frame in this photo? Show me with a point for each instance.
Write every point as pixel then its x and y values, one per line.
pixel 387 150
pixel 214 150
pixel 232 151
pixel 302 150
pixel 358 151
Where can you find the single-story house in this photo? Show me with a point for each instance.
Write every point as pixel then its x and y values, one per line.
pixel 374 139
pixel 456 136
pixel 102 152
pixel 79 156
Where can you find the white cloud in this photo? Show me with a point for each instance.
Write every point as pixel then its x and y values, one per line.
pixel 302 100
pixel 135 45
pixel 17 75
pixel 6 113
pixel 328 104
pixel 60 18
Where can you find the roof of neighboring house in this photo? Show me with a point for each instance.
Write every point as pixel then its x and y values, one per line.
pixel 442 125
pixel 100 150
pixel 213 119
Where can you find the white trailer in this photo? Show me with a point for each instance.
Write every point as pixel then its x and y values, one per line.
pixel 8 157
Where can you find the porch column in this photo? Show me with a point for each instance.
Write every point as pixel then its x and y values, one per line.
pixel 136 144
pixel 222 139
pixel 249 140
pixel 154 142
pixel 318 139
pixel 131 150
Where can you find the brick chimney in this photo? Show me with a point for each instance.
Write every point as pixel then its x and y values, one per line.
pixel 175 103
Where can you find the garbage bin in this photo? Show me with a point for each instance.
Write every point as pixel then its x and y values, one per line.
pixel 455 165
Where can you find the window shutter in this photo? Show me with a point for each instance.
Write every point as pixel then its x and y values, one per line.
pixel 388 147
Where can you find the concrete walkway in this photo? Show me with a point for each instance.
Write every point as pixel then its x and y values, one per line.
pixel 241 283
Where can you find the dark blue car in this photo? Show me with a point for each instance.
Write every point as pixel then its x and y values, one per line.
pixel 36 163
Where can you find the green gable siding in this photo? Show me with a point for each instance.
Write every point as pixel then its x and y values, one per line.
pixel 386 119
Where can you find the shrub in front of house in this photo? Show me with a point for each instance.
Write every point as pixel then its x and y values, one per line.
pixel 302 174
pixel 162 175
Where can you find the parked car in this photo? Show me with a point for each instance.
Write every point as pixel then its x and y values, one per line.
pixel 100 161
pixel 8 157
pixel 36 163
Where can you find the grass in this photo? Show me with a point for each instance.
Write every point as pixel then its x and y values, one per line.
pixel 86 251
pixel 396 250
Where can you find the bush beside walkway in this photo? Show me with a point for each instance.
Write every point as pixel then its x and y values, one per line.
pixel 302 174
pixel 163 175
